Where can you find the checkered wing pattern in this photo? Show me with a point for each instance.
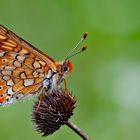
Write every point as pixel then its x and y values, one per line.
pixel 22 68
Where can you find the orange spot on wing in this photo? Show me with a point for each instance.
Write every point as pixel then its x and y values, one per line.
pixel 2 37
pixel 29 89
pixel 3 99
pixel 11 41
pixel 1 50
pixel 17 71
pixel 6 47
pixel 17 49
pixel 24 51
pixel 16 80
pixel 9 44
pixel 3 87
pixel 18 86
pixel 29 62
pixel 8 54
pixel 38 80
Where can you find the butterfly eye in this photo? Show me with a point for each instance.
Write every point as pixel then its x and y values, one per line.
pixel 64 67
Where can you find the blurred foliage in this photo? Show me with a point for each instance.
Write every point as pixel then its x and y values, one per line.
pixel 106 77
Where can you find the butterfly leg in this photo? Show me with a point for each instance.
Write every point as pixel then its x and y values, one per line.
pixel 40 99
pixel 65 84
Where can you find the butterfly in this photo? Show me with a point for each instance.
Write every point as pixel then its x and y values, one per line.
pixel 25 70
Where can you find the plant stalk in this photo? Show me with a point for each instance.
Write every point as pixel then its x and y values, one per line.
pixel 77 130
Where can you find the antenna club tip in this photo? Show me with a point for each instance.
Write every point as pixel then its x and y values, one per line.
pixel 84 47
pixel 85 35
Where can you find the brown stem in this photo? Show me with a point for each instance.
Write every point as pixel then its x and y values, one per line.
pixel 77 130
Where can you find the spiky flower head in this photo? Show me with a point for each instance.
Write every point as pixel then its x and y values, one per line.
pixel 54 111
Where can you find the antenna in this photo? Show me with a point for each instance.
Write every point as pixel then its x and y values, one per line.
pixel 71 53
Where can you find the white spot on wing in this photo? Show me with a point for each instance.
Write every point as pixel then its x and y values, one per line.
pixel 9 102
pixel 9 67
pixel 35 73
pixel 21 58
pixel 6 72
pixel 49 74
pixel 10 83
pixel 28 82
pixel 2 53
pixel 17 64
pixel 22 75
pixel 9 91
pixel 36 64
pixel 6 77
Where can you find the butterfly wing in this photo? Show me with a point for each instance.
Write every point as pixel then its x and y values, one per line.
pixel 22 67
pixel 23 47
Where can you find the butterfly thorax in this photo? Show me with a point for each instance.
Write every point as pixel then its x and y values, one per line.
pixel 54 78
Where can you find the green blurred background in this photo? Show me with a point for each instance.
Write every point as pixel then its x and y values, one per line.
pixel 106 77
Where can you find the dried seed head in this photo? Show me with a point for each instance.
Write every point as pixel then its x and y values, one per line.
pixel 54 111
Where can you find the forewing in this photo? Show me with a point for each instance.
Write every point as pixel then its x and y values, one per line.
pixel 22 67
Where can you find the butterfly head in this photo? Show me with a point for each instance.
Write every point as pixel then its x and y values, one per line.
pixel 66 67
